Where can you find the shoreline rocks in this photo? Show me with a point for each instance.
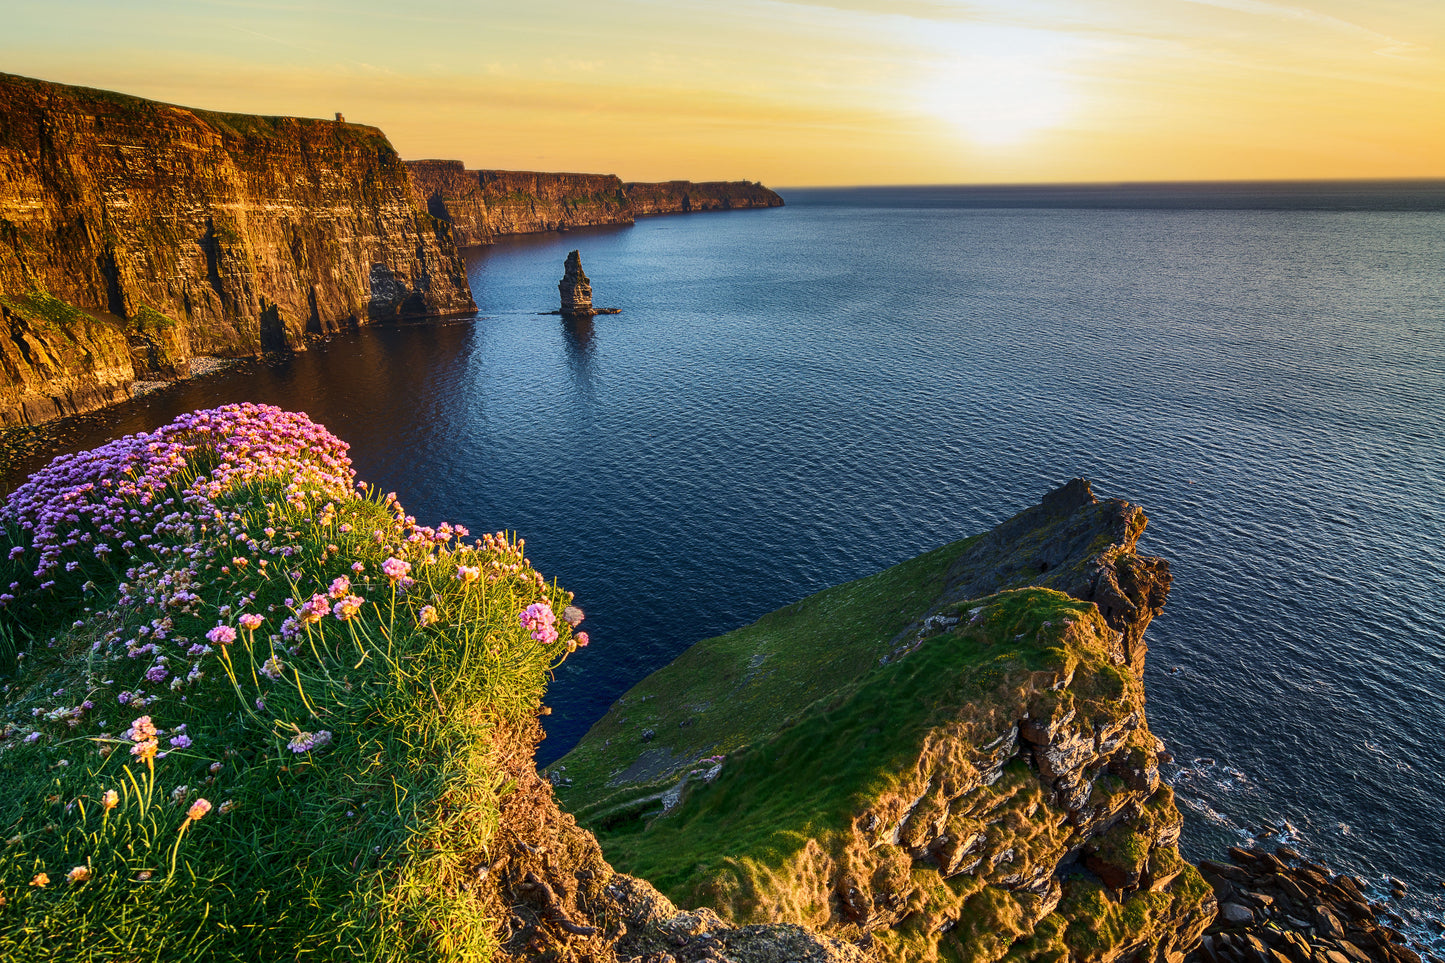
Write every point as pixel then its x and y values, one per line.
pixel 1281 908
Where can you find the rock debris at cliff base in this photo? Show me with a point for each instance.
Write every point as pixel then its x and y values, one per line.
pixel 1280 908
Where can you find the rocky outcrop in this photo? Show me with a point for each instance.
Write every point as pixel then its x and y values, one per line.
pixel 1280 908
pixel 1078 545
pixel 482 205
pixel 555 896
pixel 983 786
pixel 685 197
pixel 181 232
pixel 576 290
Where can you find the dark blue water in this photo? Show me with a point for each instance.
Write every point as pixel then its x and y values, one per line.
pixel 801 396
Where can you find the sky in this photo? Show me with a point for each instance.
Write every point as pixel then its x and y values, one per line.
pixel 800 92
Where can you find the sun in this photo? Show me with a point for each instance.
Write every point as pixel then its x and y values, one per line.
pixel 998 100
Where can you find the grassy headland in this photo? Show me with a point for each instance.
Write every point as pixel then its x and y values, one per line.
pixel 946 760
pixel 251 709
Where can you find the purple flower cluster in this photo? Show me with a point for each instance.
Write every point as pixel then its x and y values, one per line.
pixel 309 741
pixel 541 621
pixel 139 490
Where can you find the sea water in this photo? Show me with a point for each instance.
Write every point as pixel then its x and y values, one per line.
pixel 792 398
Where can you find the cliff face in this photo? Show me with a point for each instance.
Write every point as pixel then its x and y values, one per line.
pixel 185 232
pixel 483 205
pixel 480 205
pixel 944 761
pixel 681 197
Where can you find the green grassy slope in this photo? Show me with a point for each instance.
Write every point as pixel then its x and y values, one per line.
pixel 932 775
pixel 748 685
pixel 318 787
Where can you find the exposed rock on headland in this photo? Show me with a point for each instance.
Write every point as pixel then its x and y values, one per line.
pixel 945 760
pixel 135 235
pixel 482 205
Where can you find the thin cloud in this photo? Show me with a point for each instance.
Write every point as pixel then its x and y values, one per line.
pixel 1279 11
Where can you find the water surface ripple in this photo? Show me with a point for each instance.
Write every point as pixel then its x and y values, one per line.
pixel 800 396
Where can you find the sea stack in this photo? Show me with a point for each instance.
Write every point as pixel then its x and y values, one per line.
pixel 576 289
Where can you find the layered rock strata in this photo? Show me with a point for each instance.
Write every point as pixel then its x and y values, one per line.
pixel 135 235
pixel 575 289
pixel 555 896
pixel 482 205
pixel 983 787
pixel 686 197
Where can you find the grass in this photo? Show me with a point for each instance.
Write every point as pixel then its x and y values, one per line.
pixel 362 848
pixel 41 307
pixel 750 684
pixel 809 781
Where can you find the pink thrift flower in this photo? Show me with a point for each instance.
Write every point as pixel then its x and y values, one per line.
pixel 541 620
pixel 427 615
pixel 395 568
pixel 222 635
pixel 145 751
pixel 340 587
pixel 141 730
pixel 581 639
pixel 314 609
pixel 347 607
pixel 198 809
pixel 308 741
pixel 251 621
pixel 468 573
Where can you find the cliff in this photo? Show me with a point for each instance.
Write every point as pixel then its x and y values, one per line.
pixel 135 235
pixel 948 760
pixel 482 205
pixel 682 197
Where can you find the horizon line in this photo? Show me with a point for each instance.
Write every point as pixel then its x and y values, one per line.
pixel 1438 180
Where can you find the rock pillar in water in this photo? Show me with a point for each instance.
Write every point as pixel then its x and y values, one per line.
pixel 576 289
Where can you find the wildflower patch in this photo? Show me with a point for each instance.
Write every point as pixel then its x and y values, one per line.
pixel 251 702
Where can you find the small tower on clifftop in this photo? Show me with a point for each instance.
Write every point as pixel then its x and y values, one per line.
pixel 576 289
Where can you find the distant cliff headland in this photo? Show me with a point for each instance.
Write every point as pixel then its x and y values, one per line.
pixel 136 236
pixel 484 205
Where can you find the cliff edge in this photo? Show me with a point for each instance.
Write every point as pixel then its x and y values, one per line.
pixel 482 205
pixel 947 760
pixel 135 235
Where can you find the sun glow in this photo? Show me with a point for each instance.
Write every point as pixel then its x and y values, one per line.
pixel 997 86
pixel 998 100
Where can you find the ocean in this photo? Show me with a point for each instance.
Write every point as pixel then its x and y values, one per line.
pixel 796 397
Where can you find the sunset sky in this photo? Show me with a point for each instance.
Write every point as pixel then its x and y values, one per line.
pixel 800 92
